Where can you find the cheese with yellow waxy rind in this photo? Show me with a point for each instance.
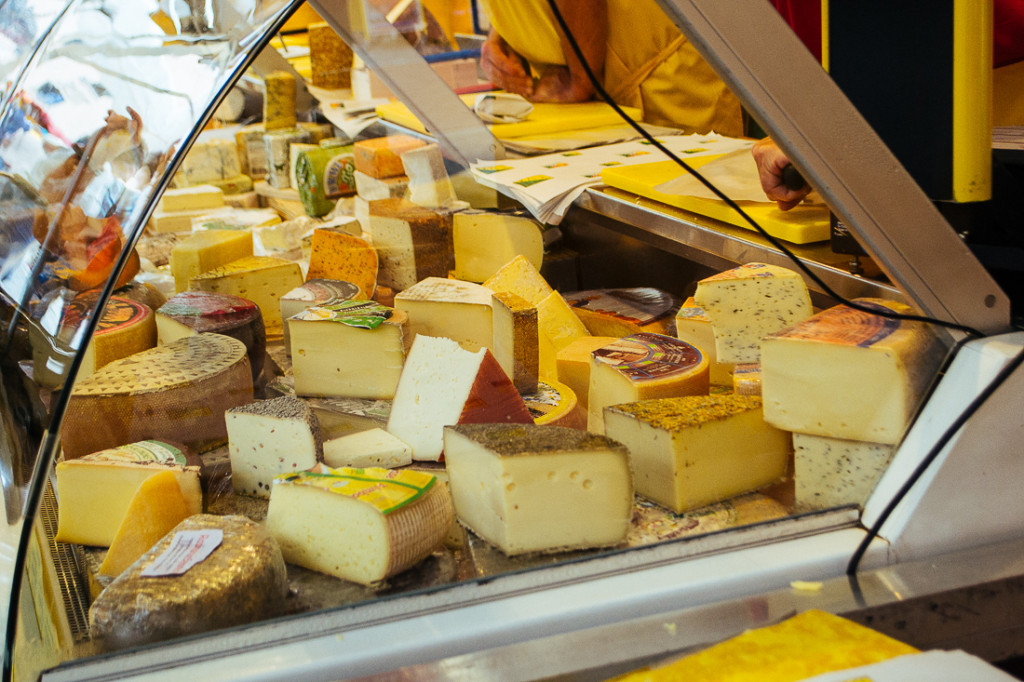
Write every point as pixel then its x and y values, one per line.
pixel 451 308
pixel 206 250
pixel 260 279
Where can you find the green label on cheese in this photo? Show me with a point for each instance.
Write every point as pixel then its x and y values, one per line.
pixel 361 314
pixel 144 451
pixel 385 489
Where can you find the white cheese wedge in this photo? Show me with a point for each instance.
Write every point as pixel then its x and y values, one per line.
pixel 451 308
pixel 271 437
pixel 521 277
pixel 429 184
pixel 354 349
pixel 694 327
pixel 516 339
pixel 527 488
pixel 261 279
pixel 363 525
pixel 692 451
pixel 370 448
pixel 443 384
pixel 829 472
pixel 746 303
pixel 643 366
pixel 573 363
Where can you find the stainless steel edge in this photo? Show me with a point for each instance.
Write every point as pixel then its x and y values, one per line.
pixel 792 97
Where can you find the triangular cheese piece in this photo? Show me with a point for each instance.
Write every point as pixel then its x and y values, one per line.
pixel 337 255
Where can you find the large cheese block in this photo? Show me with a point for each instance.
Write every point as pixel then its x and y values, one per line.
pixel 444 384
pixel 573 363
pixel 801 647
pixel 314 292
pixel 261 279
pixel 484 242
pixel 370 448
pixel 178 392
pixel 96 490
pixel 692 451
pixel 748 302
pixel 412 242
pixel 558 326
pixel 555 404
pixel 849 374
pixel 363 525
pixel 125 328
pixel 195 312
pixel 209 160
pixel 381 157
pixel 429 184
pixel 194 198
pixel 694 327
pixel 330 58
pixel 516 339
pixel 830 472
pixel 242 581
pixel 206 250
pixel 354 349
pixel 527 488
pixel 271 437
pixel 335 254
pixel 521 277
pixel 641 367
pixel 457 310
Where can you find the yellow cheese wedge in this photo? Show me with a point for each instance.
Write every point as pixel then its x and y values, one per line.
pixel 573 363
pixel 694 327
pixel 335 254
pixel 521 277
pixel 829 472
pixel 206 250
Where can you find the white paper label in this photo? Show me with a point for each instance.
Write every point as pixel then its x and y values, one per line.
pixel 188 548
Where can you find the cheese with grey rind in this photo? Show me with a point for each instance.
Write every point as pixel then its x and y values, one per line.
pixel 528 488
pixel 830 472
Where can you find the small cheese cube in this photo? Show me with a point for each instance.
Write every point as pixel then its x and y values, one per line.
pixel 381 157
pixel 691 451
pixel 206 250
pixel 484 242
pixel 746 303
pixel 574 363
pixel 516 339
pixel 370 448
pixel 521 277
pixel 528 488
pixel 271 437
pixel 429 184
pixel 335 254
pixel 830 472
pixel 412 242
pixel 694 327
pixel 457 310
pixel 261 279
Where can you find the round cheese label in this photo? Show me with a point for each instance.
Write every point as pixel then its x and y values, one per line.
pixel 360 314
pixel 845 326
pixel 646 356
pixel 205 304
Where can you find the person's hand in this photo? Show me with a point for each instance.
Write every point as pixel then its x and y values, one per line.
pixel 505 67
pixel 771 161
pixel 558 84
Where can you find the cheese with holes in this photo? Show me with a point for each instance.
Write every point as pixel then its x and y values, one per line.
pixel 555 404
pixel 412 242
pixel 370 448
pixel 849 374
pixel 559 326
pixel 573 363
pixel 373 189
pixel 209 160
pixel 444 384
pixel 242 581
pixel 96 490
pixel 484 242
pixel 521 277
pixel 640 367
pixel 363 525
pixel 694 327
pixel 261 279
pixel 746 378
pixel 746 303
pixel 429 184
pixel 354 349
pixel 195 312
pixel 206 250
pixel 457 310
pixel 125 328
pixel 829 472
pixel 527 488
pixel 516 339
pixel 691 451
pixel 335 254
pixel 178 392
pixel 314 292
pixel 191 199
pixel 156 507
pixel 381 157
pixel 271 437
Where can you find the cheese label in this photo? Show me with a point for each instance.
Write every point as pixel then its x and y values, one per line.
pixel 339 175
pixel 639 305
pixel 360 314
pixel 385 489
pixel 646 357
pixel 845 326
pixel 142 452
pixel 323 291
pixel 188 548
pixel 119 313
pixel 545 399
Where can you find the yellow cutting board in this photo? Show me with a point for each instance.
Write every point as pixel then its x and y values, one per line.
pixel 545 118
pixel 800 225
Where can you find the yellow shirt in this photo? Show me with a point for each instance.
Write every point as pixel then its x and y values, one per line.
pixel 649 64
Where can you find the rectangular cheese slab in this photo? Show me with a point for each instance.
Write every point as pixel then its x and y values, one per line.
pixel 830 472
pixel 191 199
pixel 451 308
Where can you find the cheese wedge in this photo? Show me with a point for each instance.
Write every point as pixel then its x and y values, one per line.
pixel 451 308
pixel 521 277
pixel 444 384
pixel 692 451
pixel 271 437
pixel 746 303
pixel 516 339
pixel 412 242
pixel 573 363
pixel 279 101
pixel 528 488
pixel 354 349
pixel 370 448
pixel 261 279
pixel 429 184
pixel 206 250
pixel 484 242
pixel 381 157
pixel 830 472
pixel 335 254
pixel 363 525
pixel 848 374
pixel 640 367
pixel 694 327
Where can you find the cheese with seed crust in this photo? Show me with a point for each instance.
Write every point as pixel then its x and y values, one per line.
pixel 830 472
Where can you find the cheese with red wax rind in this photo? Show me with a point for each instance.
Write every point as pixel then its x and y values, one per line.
pixel 335 254
pixel 260 279
pixel 412 242
pixel 451 308
pixel 444 384
pixel 381 157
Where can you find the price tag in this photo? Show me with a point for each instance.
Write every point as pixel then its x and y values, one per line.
pixel 187 548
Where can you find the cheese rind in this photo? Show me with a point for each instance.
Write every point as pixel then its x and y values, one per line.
pixel 412 242
pixel 206 250
pixel 516 339
pixel 451 308
pixel 849 374
pixel 830 472
pixel 528 488
pixel 746 303
pixel 694 327
pixel 268 438
pixel 125 328
pixel 370 448
pixel 555 404
pixel 691 451
pixel 261 279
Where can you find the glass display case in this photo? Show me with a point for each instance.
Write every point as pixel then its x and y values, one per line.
pixel 157 231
